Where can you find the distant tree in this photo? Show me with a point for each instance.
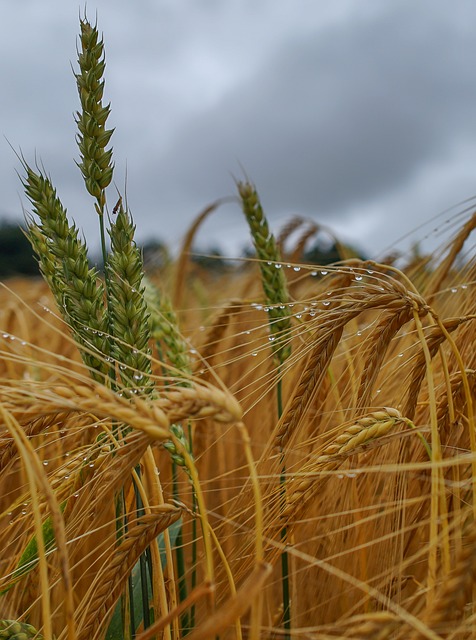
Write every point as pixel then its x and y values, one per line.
pixel 209 259
pixel 155 254
pixel 16 254
pixel 329 253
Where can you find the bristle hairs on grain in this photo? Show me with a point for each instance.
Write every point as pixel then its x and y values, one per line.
pixel 97 607
pixel 364 430
pixel 379 342
pixel 435 338
pixel 456 589
pixel 455 248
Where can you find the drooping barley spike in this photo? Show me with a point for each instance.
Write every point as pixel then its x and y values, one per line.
pixel 96 609
pixel 366 429
pixel 272 276
pixel 129 316
pixel 63 260
pixel 96 162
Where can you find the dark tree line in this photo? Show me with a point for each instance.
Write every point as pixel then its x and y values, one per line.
pixel 16 254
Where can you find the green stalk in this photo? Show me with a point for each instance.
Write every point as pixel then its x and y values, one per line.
pixel 276 293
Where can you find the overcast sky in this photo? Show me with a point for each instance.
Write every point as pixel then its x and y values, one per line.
pixel 360 114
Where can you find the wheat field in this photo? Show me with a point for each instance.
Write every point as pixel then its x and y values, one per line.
pixel 297 460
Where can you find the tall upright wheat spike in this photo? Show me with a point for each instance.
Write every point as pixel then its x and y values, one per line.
pixel 272 276
pixel 96 162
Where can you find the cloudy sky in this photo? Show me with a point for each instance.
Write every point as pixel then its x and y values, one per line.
pixel 359 114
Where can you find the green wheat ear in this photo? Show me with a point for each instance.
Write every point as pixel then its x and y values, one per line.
pixel 166 332
pixel 13 630
pixel 272 276
pixel 63 261
pixel 129 316
pixel 96 162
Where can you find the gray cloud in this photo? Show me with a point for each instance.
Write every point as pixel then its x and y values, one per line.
pixel 360 117
pixel 336 118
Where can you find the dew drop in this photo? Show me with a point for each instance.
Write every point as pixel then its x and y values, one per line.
pixel 278 266
pixel 454 290
pixel 91 464
pixel 326 303
pixel 313 274
pixel 298 316
pixel 400 355
pixel 23 512
pixel 45 463
pixel 358 278
pixel 296 268
pixel 272 338
pixel 324 273
pixel 254 354
pixel 464 286
pixel 359 333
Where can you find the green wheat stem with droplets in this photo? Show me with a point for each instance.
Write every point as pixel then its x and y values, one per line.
pixel 277 301
pixel 175 351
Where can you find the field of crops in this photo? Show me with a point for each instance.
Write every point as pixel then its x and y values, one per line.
pixel 276 450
